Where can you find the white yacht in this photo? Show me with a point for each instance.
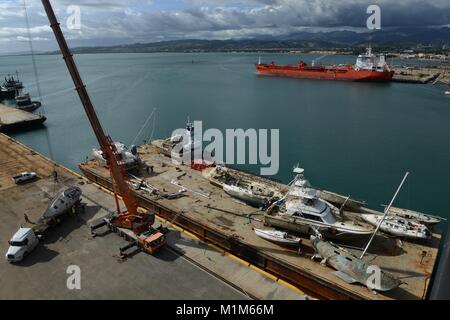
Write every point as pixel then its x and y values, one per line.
pixel 301 210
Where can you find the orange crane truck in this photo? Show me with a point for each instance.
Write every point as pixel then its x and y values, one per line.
pixel 133 223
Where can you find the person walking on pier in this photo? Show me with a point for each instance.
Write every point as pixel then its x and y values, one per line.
pixel 27 220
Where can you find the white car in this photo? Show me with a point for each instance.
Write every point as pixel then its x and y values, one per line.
pixel 24 177
pixel 21 244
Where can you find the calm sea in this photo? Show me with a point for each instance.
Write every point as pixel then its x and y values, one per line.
pixel 356 139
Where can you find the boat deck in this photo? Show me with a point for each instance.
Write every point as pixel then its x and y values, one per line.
pixel 214 216
pixel 13 119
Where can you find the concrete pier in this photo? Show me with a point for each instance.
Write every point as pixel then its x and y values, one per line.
pixel 16 119
pixel 186 268
pixel 420 75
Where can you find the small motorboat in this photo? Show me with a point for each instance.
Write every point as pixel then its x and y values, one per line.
pixel 414 215
pixel 398 226
pixel 279 237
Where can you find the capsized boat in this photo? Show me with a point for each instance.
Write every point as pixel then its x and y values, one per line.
pixel 280 237
pixel 368 67
pixel 63 201
pixel 301 210
pixel 399 226
pixel 414 215
pixel 352 269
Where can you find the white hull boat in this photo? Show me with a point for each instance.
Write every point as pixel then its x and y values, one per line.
pixel 62 202
pixel 398 226
pixel 246 195
pixel 414 215
pixel 302 210
pixel 127 158
pixel 279 237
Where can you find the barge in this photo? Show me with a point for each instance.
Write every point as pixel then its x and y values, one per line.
pixel 217 218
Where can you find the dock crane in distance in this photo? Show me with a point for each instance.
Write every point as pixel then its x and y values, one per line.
pixel 144 235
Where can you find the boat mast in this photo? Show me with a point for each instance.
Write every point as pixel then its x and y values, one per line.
pixel 384 215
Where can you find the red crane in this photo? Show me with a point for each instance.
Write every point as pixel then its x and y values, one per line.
pixel 131 218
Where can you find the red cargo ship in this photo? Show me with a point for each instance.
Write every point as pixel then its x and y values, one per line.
pixel 368 67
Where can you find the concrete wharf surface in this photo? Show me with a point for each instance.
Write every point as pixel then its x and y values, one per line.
pixel 185 269
pixel 421 75
pixel 14 119
pixel 217 218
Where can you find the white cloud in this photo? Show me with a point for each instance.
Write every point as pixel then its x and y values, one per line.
pixel 115 21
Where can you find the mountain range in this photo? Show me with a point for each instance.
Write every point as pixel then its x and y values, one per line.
pixel 400 38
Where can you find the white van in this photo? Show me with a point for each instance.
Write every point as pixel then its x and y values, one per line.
pixel 21 244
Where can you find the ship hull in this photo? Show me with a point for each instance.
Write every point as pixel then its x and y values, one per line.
pixel 327 73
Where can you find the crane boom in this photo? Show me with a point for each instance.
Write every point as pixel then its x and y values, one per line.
pixel 113 158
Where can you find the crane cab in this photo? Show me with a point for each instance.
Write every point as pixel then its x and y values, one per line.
pixel 152 240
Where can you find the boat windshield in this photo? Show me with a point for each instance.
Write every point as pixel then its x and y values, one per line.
pixel 328 217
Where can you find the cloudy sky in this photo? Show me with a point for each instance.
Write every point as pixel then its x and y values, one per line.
pixel 109 22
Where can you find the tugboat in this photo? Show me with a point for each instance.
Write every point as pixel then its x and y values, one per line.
pixel 368 67
pixel 9 87
pixel 23 102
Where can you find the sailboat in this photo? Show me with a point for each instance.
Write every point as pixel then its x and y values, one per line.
pixel 398 226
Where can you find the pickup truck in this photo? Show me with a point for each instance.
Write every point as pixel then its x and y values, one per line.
pixel 21 244
pixel 24 177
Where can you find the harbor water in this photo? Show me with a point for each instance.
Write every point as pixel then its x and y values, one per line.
pixel 356 139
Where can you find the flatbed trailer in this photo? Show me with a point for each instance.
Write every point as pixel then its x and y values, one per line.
pixel 215 217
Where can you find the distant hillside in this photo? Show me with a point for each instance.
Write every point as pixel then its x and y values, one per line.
pixel 399 38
